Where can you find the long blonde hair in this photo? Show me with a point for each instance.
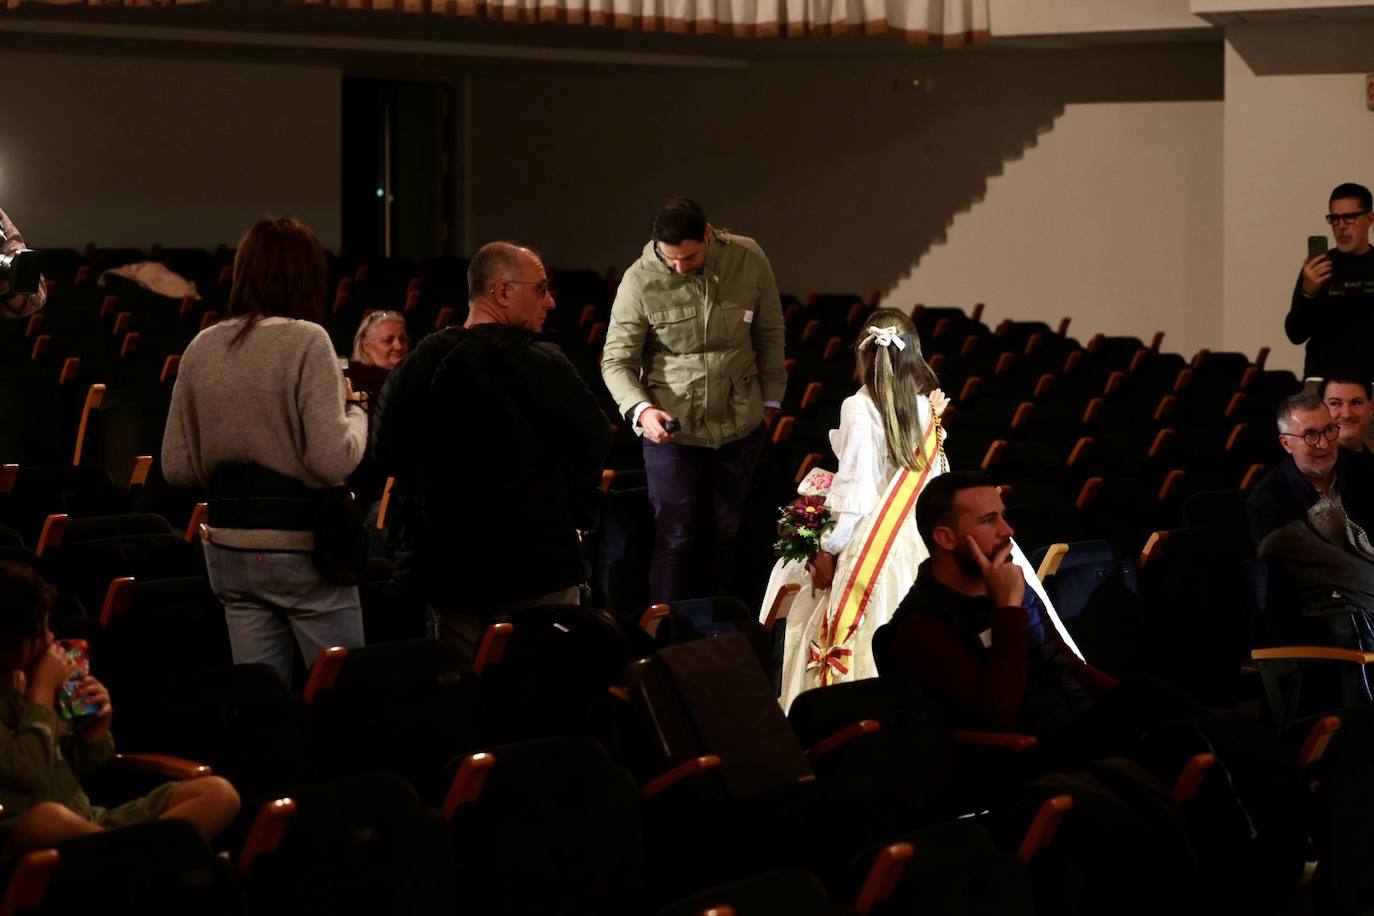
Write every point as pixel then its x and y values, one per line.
pixel 895 377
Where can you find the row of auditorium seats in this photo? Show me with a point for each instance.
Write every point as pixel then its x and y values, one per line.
pixel 858 796
pixel 1068 443
pixel 880 788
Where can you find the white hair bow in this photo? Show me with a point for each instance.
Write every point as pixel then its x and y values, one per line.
pixel 884 337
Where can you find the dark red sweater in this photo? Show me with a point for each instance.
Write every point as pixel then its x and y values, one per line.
pixel 984 686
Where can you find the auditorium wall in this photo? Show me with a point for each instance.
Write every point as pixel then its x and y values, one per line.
pixel 1112 218
pixel 1013 18
pixel 1083 182
pixel 1295 126
pixel 131 151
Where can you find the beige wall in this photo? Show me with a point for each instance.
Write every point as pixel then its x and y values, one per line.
pixel 1011 18
pixel 1113 217
pixel 1293 130
pixel 848 183
pixel 128 152
pixel 1202 7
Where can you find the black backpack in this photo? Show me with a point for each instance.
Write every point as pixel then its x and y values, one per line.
pixel 1248 818
pixel 1123 848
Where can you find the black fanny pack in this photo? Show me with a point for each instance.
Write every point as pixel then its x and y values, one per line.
pixel 245 495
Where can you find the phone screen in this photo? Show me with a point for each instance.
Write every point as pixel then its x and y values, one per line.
pixel 1316 245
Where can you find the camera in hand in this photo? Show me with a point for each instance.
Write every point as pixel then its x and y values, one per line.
pixel 20 270
pixel 671 425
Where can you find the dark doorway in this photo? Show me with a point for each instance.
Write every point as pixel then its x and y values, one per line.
pixel 398 189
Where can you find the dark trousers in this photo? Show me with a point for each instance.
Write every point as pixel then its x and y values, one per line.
pixel 684 479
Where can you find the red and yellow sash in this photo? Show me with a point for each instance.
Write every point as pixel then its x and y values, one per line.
pixel 829 655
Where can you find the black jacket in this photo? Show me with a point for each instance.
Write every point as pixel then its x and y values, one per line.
pixel 1284 495
pixel 497 446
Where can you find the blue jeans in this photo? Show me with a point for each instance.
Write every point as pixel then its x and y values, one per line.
pixel 274 600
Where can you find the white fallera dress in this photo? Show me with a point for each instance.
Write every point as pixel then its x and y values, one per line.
pixel 855 500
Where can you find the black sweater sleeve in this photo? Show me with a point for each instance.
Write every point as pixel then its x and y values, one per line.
pixel 578 428
pixel 403 412
pixel 1302 314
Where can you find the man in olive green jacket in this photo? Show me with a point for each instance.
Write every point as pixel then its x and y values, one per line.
pixel 694 361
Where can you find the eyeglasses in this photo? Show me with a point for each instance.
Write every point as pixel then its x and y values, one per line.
pixel 541 287
pixel 1315 436
pixel 1345 219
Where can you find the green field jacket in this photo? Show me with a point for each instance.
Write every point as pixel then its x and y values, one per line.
pixel 707 348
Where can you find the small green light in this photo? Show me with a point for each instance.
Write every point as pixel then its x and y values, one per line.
pixel 915 82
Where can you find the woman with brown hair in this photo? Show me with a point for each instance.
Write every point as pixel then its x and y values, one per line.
pixel 262 417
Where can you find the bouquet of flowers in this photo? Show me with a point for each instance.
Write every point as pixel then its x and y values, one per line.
pixel 800 528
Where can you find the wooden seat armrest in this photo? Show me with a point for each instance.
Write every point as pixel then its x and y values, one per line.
pixel 29 883
pixel 653 615
pixel 265 835
pixel 841 738
pixel 493 646
pixel 467 783
pixel 883 876
pixel 677 774
pixel 1054 556
pixel 324 674
pixel 160 765
pixel 197 520
pixel 1009 741
pixel 50 538
pixel 1190 778
pixel 1315 653
pixel 1044 826
pixel 1318 738
pixel 117 599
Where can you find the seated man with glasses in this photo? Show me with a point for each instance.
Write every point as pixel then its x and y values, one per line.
pixel 1318 482
pixel 1311 518
pixel 1333 301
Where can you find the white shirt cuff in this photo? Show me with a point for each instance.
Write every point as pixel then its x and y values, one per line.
pixel 639 409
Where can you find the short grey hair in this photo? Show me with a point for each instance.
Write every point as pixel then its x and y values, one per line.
pixel 1303 400
pixel 494 261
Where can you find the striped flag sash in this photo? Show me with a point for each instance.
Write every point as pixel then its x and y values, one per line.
pixel 847 611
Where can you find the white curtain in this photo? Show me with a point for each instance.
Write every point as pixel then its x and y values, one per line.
pixel 947 23
pixel 11 4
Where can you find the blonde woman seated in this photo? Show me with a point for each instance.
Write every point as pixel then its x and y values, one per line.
pixel 379 346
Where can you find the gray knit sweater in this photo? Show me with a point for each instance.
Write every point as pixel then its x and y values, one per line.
pixel 277 400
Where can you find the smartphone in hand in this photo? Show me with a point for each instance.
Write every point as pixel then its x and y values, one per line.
pixel 1316 246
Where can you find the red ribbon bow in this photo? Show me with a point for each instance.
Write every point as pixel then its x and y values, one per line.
pixel 827 660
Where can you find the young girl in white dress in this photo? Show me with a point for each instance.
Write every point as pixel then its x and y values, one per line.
pixel 888 446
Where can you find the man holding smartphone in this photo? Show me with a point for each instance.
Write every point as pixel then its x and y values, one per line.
pixel 694 360
pixel 1333 301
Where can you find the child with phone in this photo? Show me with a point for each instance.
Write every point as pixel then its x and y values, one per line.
pixel 44 757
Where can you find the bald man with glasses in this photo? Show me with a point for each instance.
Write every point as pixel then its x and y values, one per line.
pixel 1333 302
pixel 497 445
